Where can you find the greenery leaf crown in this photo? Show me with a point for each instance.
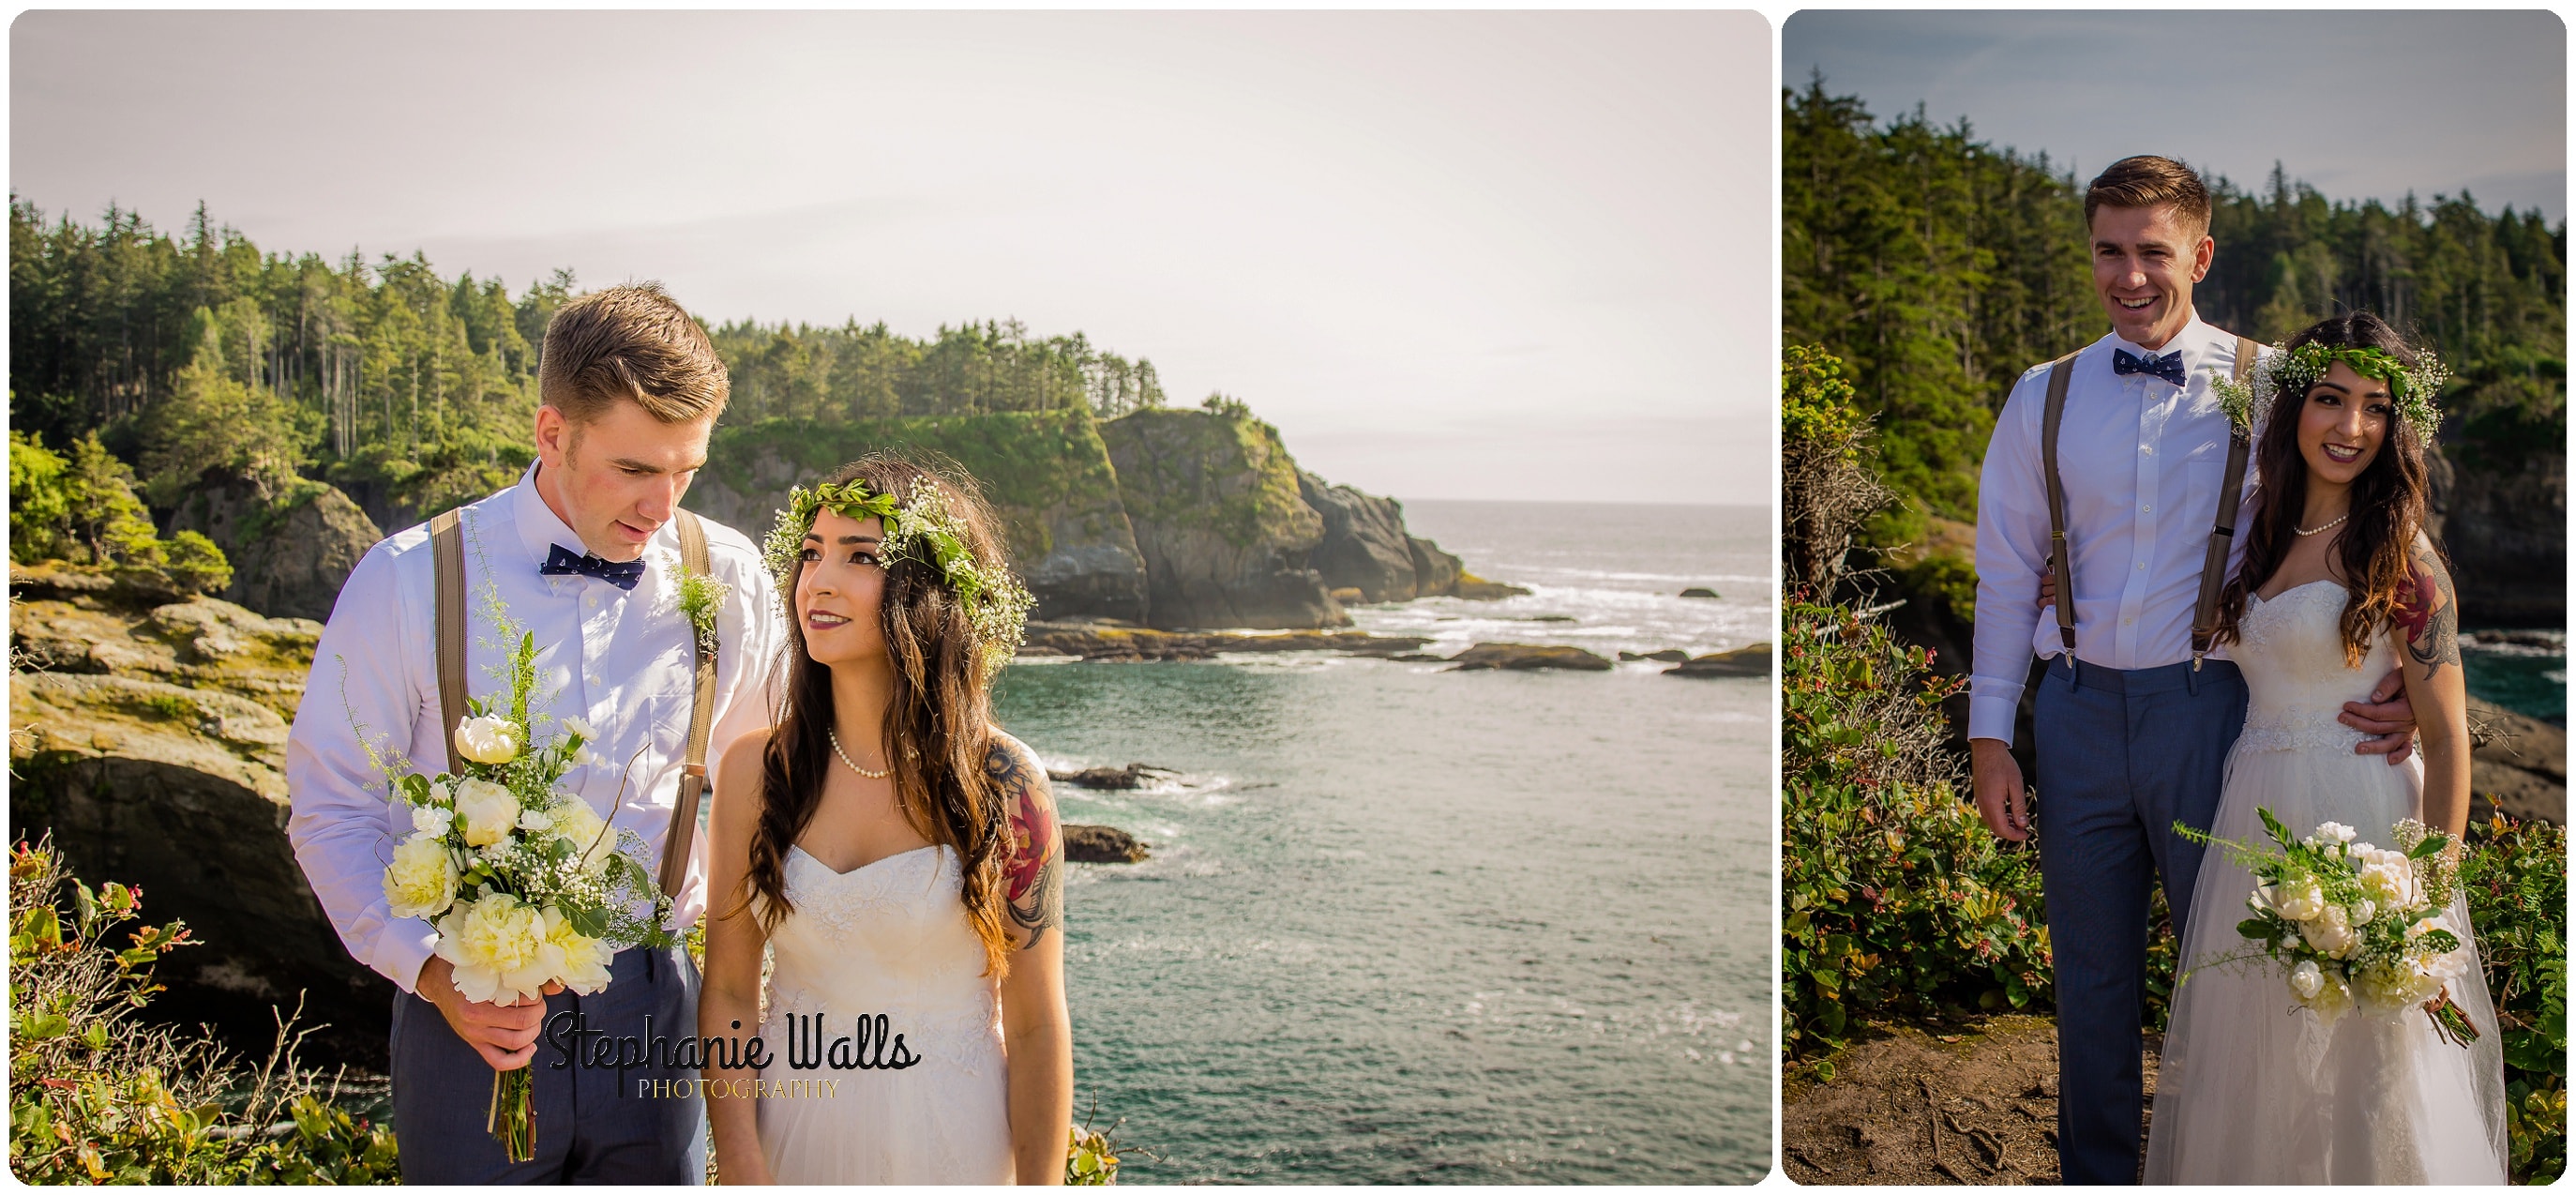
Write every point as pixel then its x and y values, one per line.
pixel 924 529
pixel 2286 370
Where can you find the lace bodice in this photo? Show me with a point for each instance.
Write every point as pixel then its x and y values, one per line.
pixel 2296 680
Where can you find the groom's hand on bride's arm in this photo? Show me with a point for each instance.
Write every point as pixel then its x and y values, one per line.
pixel 2387 715
pixel 505 1035
pixel 1997 780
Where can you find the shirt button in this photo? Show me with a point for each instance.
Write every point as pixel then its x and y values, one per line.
pixel 2142 566
pixel 2128 622
pixel 2146 450
pixel 2148 509
pixel 590 599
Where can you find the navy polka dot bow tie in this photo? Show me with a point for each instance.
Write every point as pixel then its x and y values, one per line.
pixel 2168 367
pixel 564 562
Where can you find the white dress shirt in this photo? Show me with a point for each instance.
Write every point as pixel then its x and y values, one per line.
pixel 2141 461
pixel 618 659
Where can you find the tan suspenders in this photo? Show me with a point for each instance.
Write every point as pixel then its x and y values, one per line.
pixel 2213 564
pixel 447 550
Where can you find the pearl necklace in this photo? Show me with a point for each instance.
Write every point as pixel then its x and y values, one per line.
pixel 835 736
pixel 2315 530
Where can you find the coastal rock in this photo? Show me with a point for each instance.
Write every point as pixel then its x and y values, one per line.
pixel 153 753
pixel 2519 767
pixel 1224 532
pixel 1528 656
pixel 1101 844
pixel 1046 474
pixel 1364 546
pixel 1133 776
pixel 2503 523
pixel 1477 589
pixel 290 549
pixel 1097 642
pixel 1670 655
pixel 1699 591
pixel 1751 660
pixel 1434 571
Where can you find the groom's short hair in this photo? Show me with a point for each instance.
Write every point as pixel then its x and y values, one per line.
pixel 2150 181
pixel 632 342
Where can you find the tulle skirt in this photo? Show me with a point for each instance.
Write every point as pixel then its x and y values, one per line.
pixel 2252 1088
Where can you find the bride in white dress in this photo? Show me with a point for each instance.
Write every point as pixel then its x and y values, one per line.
pixel 898 857
pixel 2338 584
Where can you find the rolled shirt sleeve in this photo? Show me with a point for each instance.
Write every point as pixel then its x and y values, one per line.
pixel 2012 553
pixel 361 703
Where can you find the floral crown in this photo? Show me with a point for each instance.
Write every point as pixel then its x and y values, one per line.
pixel 2410 387
pixel 924 529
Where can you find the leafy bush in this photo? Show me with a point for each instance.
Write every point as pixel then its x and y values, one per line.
pixel 97 1096
pixel 2516 879
pixel 1896 897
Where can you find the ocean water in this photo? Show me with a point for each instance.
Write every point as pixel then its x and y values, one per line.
pixel 2523 671
pixel 1403 925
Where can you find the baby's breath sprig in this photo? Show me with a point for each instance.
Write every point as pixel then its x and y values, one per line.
pixel 701 597
pixel 924 529
pixel 2412 389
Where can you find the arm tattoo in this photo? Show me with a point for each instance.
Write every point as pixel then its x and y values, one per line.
pixel 2430 614
pixel 1035 865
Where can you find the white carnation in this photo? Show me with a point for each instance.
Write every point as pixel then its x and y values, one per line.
pixel 490 739
pixel 488 810
pixel 499 949
pixel 421 881
pixel 2306 980
pixel 535 821
pixel 432 820
pixel 580 727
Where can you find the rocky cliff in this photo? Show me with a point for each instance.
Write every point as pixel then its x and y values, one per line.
pixel 1046 473
pixel 149 741
pixel 290 546
pixel 2503 523
pixel 1218 514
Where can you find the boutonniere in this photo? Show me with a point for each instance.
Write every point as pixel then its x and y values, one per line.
pixel 701 596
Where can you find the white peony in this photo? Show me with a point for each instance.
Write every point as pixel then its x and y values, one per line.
pixel 499 948
pixel 488 810
pixel 2330 933
pixel 576 822
pixel 2389 877
pixel 2361 911
pixel 2299 898
pixel 2306 980
pixel 432 820
pixel 585 965
pixel 490 739
pixel 421 881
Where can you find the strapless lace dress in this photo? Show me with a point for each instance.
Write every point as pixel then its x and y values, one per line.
pixel 889 939
pixel 2251 1089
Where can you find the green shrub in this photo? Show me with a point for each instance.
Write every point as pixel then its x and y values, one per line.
pixel 96 1096
pixel 2516 879
pixel 39 501
pixel 196 565
pixel 1896 898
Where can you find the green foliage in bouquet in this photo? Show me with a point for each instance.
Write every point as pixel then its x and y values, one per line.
pixel 1091 1155
pixel 2516 879
pixel 1895 897
pixel 96 1096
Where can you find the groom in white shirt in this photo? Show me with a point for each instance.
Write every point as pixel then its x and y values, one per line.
pixel 584 554
pixel 2131 737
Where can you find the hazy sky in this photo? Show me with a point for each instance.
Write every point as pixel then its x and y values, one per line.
pixel 1450 255
pixel 2359 104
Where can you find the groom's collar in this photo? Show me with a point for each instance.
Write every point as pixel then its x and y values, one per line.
pixel 539 527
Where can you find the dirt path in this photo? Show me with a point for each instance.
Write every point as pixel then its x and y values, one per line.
pixel 1976 1106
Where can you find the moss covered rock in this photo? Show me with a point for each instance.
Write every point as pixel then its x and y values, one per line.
pixel 1224 530
pixel 1046 473
pixel 290 548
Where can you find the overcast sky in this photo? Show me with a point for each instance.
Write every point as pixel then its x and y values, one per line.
pixel 1450 255
pixel 2359 104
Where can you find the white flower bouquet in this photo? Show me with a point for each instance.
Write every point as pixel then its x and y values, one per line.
pixel 2355 926
pixel 525 882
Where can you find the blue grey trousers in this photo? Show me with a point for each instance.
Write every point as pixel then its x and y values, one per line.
pixel 2122 756
pixel 588 1129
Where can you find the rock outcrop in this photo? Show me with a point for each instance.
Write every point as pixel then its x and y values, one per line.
pixel 1101 844
pixel 1224 531
pixel 290 549
pixel 149 743
pixel 1046 473
pixel 2519 768
pixel 1750 660
pixel 1434 571
pixel 2503 523
pixel 1364 545
pixel 1093 641
pixel 1527 656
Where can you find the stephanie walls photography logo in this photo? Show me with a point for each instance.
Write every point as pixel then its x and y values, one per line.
pixel 871 1045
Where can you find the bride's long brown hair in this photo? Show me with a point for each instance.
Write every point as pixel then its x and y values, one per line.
pixel 938 721
pixel 2384 515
